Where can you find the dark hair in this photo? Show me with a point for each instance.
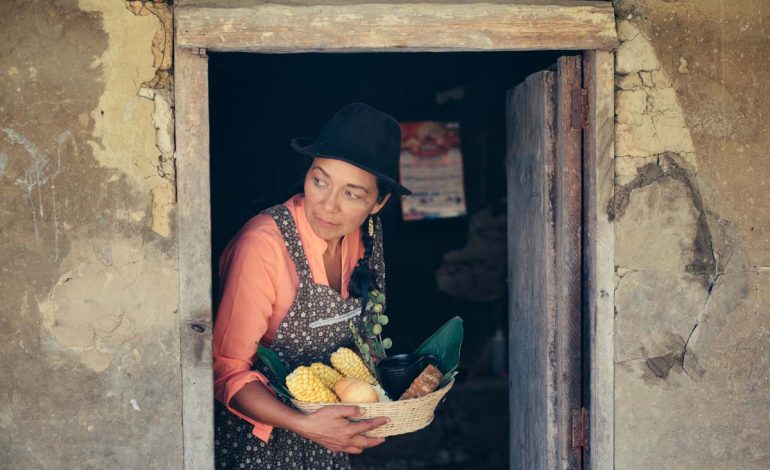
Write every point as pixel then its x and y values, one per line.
pixel 364 278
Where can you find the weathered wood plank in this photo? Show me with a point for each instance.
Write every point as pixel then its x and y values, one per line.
pixel 599 246
pixel 243 3
pixel 531 260
pixel 194 222
pixel 568 231
pixel 405 27
pixel 545 217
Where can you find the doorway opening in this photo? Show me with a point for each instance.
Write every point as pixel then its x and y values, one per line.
pixel 435 268
pixel 203 26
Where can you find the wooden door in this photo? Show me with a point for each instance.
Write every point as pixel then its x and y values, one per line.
pixel 544 119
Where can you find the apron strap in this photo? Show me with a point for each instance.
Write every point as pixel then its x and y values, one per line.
pixel 288 228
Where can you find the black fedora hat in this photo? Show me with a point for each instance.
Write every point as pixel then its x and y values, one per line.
pixel 362 136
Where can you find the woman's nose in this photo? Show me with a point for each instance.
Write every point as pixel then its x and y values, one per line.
pixel 330 203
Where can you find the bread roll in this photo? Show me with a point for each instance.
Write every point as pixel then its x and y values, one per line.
pixel 351 390
pixel 341 384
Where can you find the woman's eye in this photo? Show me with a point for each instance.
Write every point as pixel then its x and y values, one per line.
pixel 352 195
pixel 317 181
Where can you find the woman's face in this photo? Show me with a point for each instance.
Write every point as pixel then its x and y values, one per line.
pixel 339 197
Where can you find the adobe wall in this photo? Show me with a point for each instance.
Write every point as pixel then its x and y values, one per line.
pixel 692 378
pixel 89 330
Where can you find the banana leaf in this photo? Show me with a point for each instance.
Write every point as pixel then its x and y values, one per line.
pixel 277 368
pixel 445 344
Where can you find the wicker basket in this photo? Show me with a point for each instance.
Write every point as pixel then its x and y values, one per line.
pixel 405 415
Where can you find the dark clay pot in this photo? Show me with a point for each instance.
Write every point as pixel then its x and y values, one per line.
pixel 397 372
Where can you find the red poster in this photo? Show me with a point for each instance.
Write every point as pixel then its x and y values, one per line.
pixel 432 167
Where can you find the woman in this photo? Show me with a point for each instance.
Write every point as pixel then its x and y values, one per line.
pixel 292 279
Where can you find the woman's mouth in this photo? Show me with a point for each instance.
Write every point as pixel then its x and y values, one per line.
pixel 325 223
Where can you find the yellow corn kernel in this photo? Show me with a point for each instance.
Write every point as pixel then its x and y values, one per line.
pixel 350 364
pixel 327 375
pixel 305 385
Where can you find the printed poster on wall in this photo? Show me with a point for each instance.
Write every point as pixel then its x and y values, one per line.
pixel 432 167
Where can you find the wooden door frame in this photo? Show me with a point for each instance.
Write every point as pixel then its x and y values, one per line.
pixel 586 26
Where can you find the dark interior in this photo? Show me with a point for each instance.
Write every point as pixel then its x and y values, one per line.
pixel 258 102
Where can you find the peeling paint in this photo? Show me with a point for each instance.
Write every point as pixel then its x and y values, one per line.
pixel 649 118
pixel 162 42
pixel 164 194
pixel 163 203
pixel 148 170
pixel 661 365
pixel 703 263
pixel 135 404
pixel 124 136
pixel 3 163
pixel 652 139
pixel 99 303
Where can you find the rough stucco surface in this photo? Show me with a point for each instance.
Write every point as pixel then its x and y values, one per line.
pixel 692 249
pixel 88 324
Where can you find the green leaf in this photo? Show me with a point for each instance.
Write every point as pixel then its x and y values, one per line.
pixel 379 350
pixel 445 344
pixel 277 368
pixel 447 378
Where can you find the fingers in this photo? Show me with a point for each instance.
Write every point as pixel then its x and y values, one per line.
pixel 360 443
pixel 345 411
pixel 357 444
pixel 364 442
pixel 366 425
pixel 338 433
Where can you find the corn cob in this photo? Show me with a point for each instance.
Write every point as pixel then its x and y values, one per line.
pixel 327 375
pixel 350 364
pixel 305 385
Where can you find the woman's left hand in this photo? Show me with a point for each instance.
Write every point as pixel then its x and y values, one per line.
pixel 330 427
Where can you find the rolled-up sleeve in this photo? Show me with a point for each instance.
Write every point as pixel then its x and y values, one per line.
pixel 248 294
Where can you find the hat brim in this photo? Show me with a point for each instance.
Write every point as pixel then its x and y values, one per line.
pixel 312 148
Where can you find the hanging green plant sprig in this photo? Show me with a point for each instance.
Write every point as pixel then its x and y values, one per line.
pixel 370 343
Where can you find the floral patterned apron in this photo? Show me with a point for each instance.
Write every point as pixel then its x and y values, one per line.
pixel 315 326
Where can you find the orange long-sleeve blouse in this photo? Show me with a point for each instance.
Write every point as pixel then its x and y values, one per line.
pixel 258 285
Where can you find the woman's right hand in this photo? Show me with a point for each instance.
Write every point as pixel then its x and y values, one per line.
pixel 330 427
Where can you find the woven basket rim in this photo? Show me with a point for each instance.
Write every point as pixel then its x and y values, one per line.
pixel 441 390
pixel 405 415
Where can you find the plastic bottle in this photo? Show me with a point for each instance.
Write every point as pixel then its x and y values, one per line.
pixel 499 353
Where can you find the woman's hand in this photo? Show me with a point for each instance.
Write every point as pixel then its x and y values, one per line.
pixel 330 428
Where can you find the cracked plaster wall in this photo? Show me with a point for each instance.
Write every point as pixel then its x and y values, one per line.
pixel 88 323
pixel 692 378
pixel 88 264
